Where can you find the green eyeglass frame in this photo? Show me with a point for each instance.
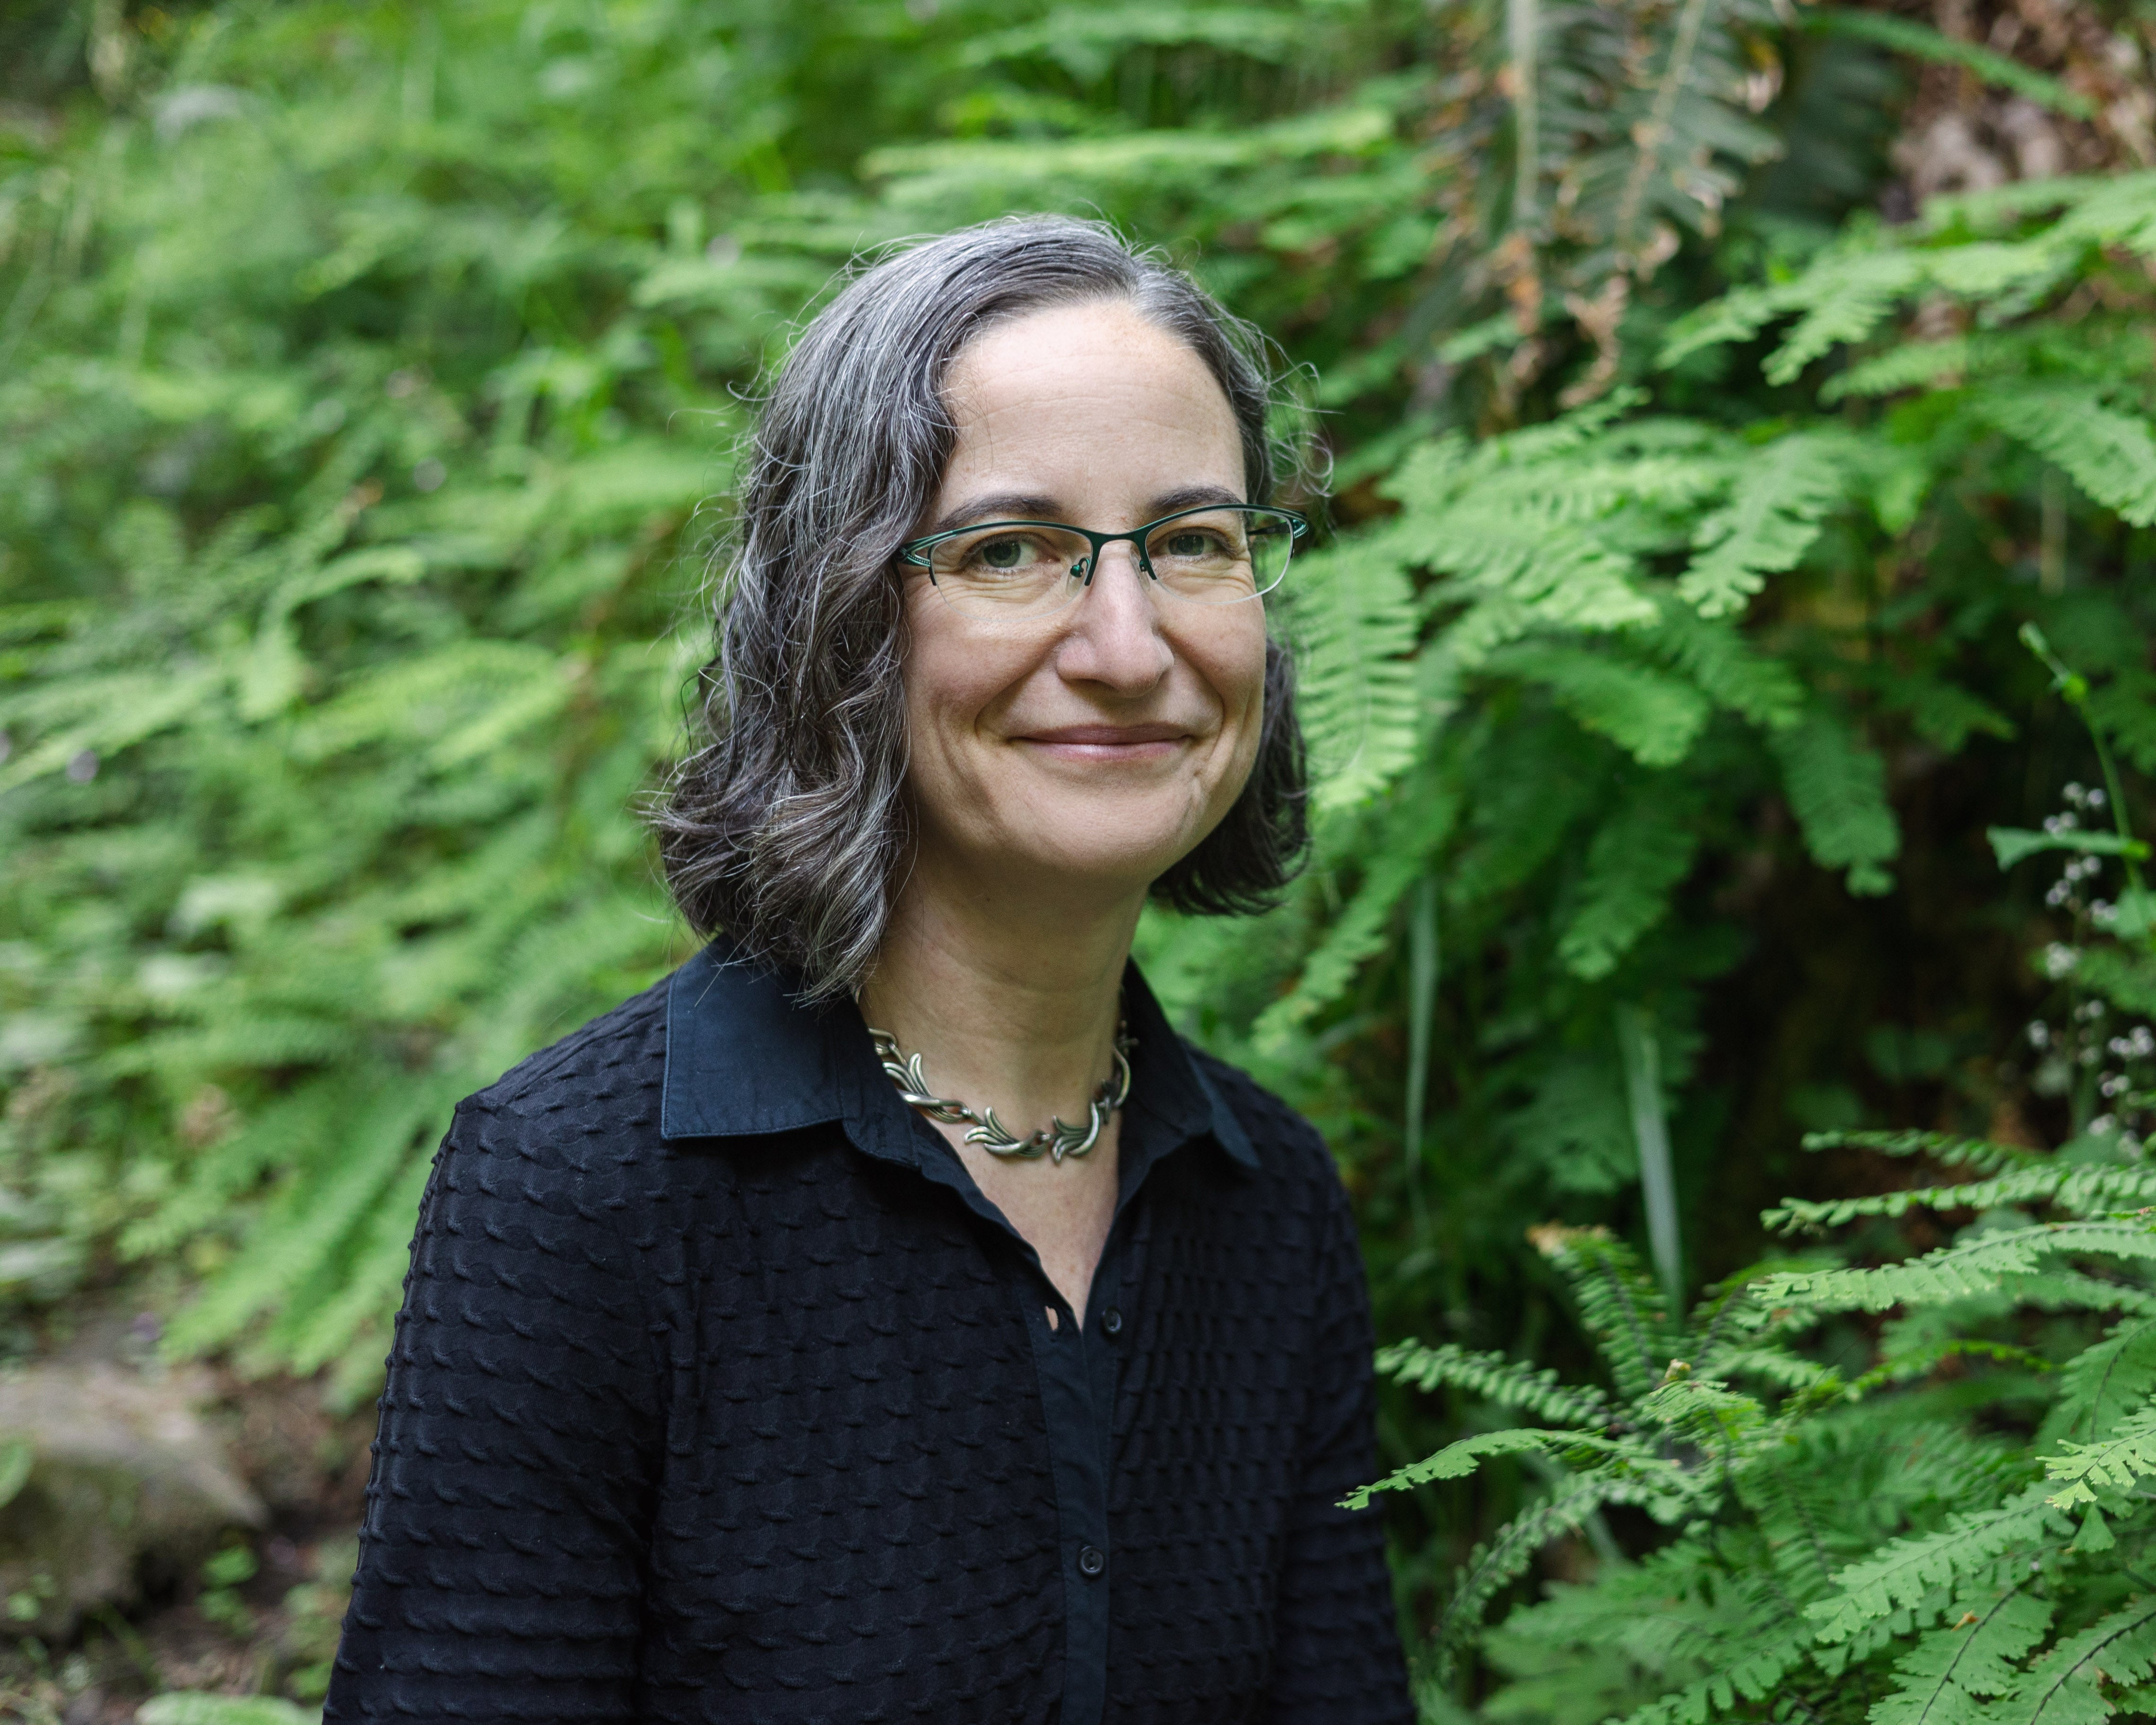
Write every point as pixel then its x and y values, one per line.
pixel 916 553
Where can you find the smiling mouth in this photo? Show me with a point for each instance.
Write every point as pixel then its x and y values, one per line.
pixel 1108 742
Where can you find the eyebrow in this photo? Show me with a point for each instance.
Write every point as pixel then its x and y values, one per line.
pixel 1033 506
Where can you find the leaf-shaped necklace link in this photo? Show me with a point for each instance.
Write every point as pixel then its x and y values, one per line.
pixel 1058 1139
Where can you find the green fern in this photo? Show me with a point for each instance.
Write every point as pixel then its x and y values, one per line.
pixel 1946 1678
pixel 1495 1379
pixel 1777 506
pixel 1837 789
pixel 1633 864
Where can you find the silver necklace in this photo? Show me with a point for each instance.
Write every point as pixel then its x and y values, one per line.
pixel 1058 1139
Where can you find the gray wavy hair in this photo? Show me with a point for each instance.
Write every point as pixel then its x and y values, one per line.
pixel 787 825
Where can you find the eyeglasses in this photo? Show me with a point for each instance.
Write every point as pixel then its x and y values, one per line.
pixel 1220 555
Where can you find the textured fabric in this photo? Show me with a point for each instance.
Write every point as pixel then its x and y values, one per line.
pixel 721 1393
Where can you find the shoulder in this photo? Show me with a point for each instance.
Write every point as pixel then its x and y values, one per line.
pixel 571 1123
pixel 619 1058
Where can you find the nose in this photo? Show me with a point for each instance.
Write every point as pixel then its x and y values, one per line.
pixel 1114 635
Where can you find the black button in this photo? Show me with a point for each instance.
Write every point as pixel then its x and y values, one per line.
pixel 1091 1560
pixel 1112 1322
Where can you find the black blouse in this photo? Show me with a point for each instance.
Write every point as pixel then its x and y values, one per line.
pixel 719 1392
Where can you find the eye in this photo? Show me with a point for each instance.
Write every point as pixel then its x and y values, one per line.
pixel 1190 542
pixel 1005 553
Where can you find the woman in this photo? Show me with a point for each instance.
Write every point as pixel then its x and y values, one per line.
pixel 889 1316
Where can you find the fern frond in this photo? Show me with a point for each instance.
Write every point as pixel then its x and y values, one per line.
pixel 1726 668
pixel 1354 623
pixel 2066 1686
pixel 1622 1307
pixel 1846 296
pixel 1942 1679
pixel 1953 1271
pixel 1837 790
pixel 2081 1188
pixel 1634 863
pixel 312 1219
pixel 2115 1463
pixel 1779 500
pixel 1492 1567
pixel 1786 1370
pixel 1652 716
pixel 1494 1378
pixel 2111 456
pixel 1907 365
pixel 1401 840
pixel 1624 1458
pixel 1755 1675
pixel 1702 1410
pixel 1906 1365
pixel 316 1335
pixel 2054 1289
pixel 2102 1385
pixel 1903 1572
pixel 1979 1154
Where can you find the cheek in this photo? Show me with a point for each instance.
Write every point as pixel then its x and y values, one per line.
pixel 1236 669
pixel 951 683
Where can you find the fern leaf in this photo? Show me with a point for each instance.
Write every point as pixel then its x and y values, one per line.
pixel 2077 1187
pixel 1409 834
pixel 2111 456
pixel 1846 296
pixel 1724 666
pixel 311 1221
pixel 2052 1289
pixel 1495 1379
pixel 1781 497
pixel 1980 1154
pixel 2065 1687
pixel 1622 1307
pixel 1652 716
pixel 367 1296
pixel 2128 1455
pixel 1755 1675
pixel 1634 863
pixel 1902 1574
pixel 1353 620
pixel 1940 1679
pixel 1955 1271
pixel 1624 1457
pixel 1506 1557
pixel 1907 365
pixel 1790 1371
pixel 1837 789
pixel 2103 1384
pixel 1906 1365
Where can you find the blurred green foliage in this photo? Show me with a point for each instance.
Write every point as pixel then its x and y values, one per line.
pixel 368 377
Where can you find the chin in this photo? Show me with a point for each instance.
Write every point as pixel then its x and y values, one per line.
pixel 1109 843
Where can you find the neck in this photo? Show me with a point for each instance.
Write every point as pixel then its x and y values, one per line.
pixel 1013 1005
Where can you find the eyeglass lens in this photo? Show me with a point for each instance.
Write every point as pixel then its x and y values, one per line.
pixel 1214 556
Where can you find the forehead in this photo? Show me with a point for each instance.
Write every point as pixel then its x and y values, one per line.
pixel 1098 365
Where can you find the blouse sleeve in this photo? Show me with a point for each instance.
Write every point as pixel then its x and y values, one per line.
pixel 501 1556
pixel 1336 1647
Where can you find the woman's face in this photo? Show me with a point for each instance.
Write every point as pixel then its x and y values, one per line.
pixel 1092 748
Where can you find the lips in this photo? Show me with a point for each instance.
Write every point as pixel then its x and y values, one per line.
pixel 1108 745
pixel 1107 736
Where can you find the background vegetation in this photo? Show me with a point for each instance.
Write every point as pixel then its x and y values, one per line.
pixel 1715 390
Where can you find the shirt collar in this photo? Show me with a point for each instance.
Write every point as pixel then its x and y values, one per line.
pixel 744 1057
